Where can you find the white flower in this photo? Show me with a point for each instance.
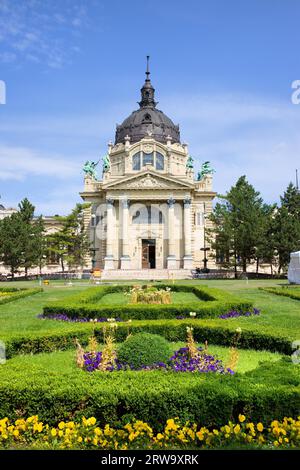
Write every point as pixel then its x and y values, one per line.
pixel 238 330
pixel 193 314
pixel 111 319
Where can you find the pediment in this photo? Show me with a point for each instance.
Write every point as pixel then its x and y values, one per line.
pixel 148 180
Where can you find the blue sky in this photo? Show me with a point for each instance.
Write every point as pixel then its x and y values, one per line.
pixel 74 68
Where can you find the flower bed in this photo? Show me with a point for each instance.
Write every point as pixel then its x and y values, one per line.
pixel 88 434
pixel 63 317
pixel 212 303
pixel 179 362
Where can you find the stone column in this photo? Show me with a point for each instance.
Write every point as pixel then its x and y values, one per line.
pixel 171 260
pixel 187 227
pixel 125 258
pixel 110 235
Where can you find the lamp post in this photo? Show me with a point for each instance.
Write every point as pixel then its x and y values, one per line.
pixel 94 249
pixel 205 248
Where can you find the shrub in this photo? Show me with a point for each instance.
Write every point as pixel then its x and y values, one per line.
pixel 259 337
pixel 16 293
pixel 144 349
pixel 212 303
pixel 211 399
pixel 292 292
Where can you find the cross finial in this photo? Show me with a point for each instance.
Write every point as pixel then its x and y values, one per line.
pixel 147 69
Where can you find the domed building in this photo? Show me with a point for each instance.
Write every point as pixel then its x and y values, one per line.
pixel 148 213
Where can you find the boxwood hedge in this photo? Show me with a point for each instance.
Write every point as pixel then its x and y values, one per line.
pixel 212 303
pixel 291 292
pixel 260 337
pixel 17 293
pixel 272 391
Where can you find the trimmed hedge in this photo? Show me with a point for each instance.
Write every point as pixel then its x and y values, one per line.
pixel 253 336
pixel 292 292
pixel 18 293
pixel 212 303
pixel 123 396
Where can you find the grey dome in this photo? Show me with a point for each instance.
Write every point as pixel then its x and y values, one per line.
pixel 147 120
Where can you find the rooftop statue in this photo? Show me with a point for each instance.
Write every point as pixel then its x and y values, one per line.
pixel 189 163
pixel 106 163
pixel 206 169
pixel 89 169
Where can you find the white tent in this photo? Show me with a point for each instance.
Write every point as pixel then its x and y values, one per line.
pixel 294 268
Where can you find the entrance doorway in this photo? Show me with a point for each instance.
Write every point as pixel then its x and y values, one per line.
pixel 148 254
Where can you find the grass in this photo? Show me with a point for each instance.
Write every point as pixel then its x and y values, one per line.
pixel 279 313
pixel 64 361
pixel 119 298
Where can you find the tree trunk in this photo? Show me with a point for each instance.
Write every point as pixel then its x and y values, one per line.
pixel 244 265
pixel 62 264
pixel 257 265
pixel 26 272
pixel 12 270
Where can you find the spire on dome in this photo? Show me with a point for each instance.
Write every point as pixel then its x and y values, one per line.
pixel 147 91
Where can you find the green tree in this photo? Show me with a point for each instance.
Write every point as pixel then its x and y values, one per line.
pixel 286 226
pixel 70 243
pixel 32 232
pixel 238 224
pixel 11 243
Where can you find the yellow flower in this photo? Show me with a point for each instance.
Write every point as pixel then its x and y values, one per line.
pixel 61 425
pixel 97 431
pixel 60 433
pixel 260 427
pixel 227 429
pixel 92 421
pixel 79 439
pixel 200 435
pixel 53 432
pixel 242 418
pixel 16 433
pixel 237 429
pixel 159 436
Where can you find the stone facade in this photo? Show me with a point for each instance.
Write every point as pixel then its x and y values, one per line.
pixel 148 212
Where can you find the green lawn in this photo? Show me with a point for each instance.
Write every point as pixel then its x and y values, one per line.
pixel 120 299
pixel 282 314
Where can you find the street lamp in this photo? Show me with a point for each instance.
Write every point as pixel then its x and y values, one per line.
pixel 94 249
pixel 205 248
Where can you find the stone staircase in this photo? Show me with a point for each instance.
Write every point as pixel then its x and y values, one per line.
pixel 146 274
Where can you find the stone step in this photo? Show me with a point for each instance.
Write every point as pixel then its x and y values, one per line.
pixel 146 274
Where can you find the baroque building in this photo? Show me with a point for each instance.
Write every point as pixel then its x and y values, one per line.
pixel 148 212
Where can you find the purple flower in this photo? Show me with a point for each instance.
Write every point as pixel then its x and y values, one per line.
pixel 235 314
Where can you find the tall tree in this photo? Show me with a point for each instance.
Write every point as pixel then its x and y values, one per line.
pixel 70 243
pixel 238 221
pixel 11 243
pixel 286 226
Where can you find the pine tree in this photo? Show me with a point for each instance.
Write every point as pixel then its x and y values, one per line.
pixel 11 243
pixel 238 222
pixel 70 243
pixel 286 226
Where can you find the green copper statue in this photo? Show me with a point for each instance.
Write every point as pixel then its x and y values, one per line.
pixel 106 164
pixel 189 163
pixel 89 168
pixel 206 169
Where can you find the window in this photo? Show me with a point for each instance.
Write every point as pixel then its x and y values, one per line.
pixel 147 158
pixel 148 215
pixel 199 218
pixel 136 161
pixel 159 161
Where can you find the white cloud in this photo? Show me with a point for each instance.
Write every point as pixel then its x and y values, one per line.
pixel 18 163
pixel 40 30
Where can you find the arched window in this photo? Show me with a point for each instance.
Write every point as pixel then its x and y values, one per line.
pixel 159 161
pixel 147 158
pixel 136 161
